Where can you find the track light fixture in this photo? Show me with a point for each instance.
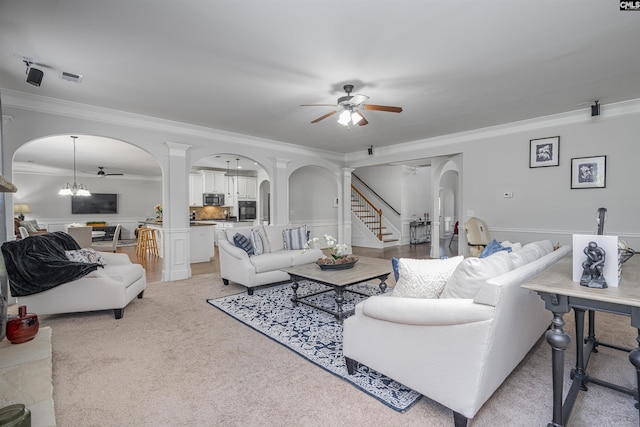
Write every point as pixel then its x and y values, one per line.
pixel 595 109
pixel 34 76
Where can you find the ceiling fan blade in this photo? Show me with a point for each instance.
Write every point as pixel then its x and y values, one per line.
pixel 318 105
pixel 329 114
pixel 381 108
pixel 363 121
pixel 358 99
pixel 113 174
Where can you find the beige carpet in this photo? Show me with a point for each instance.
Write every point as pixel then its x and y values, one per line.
pixel 175 360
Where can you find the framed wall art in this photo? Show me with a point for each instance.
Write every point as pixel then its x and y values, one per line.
pixel 544 152
pixel 589 172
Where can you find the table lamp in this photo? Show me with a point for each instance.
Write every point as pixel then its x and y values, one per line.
pixel 21 209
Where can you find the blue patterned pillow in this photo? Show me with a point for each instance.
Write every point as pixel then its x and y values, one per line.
pixel 243 243
pixel 295 238
pixel 394 264
pixel 258 243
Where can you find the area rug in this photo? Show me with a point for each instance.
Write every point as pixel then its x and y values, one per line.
pixel 313 334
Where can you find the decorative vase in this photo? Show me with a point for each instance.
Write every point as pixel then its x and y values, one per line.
pixel 23 327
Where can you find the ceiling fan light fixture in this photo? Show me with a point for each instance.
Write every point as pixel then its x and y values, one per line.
pixel 356 117
pixel 345 118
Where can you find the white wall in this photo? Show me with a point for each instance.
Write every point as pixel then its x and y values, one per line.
pixel 312 191
pixel 417 193
pixel 543 200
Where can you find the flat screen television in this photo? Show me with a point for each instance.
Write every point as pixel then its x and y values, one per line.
pixel 97 203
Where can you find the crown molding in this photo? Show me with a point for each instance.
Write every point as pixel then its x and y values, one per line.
pixel 60 107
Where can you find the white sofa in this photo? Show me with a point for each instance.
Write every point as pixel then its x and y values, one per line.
pixel 108 288
pixel 456 351
pixel 264 269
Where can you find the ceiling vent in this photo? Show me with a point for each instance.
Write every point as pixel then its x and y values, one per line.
pixel 70 77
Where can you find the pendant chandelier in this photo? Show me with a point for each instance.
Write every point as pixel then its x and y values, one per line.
pixel 228 180
pixel 75 189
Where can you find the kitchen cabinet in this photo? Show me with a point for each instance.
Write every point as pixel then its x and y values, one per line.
pixel 220 183
pixel 214 182
pixel 195 189
pixel 247 187
pixel 208 181
pixel 230 195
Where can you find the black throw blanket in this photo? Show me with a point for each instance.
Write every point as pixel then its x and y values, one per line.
pixel 38 263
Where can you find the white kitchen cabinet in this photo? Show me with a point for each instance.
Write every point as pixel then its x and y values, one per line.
pixel 195 189
pixel 247 187
pixel 220 183
pixel 208 181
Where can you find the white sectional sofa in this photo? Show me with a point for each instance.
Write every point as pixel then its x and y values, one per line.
pixel 458 348
pixel 109 288
pixel 253 271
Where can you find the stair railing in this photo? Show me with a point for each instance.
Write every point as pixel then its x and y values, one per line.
pixel 370 211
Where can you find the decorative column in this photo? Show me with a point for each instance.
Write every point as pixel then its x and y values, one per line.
pixel 344 208
pixel 280 192
pixel 175 221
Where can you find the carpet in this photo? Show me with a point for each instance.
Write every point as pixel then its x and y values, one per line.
pixel 313 334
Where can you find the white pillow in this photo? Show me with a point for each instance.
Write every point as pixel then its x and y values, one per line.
pixel 258 243
pixel 472 273
pixel 514 246
pixel 424 278
pixel 86 255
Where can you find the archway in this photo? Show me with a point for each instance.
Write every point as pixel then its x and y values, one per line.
pixel 446 190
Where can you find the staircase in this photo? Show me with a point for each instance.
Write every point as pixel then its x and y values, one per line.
pixel 371 216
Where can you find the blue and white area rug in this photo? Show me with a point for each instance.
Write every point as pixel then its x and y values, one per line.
pixel 313 334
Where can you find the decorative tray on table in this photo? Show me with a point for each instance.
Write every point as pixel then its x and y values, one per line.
pixel 341 263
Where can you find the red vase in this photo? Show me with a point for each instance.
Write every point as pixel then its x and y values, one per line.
pixel 22 328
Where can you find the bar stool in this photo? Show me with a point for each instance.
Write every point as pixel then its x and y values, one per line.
pixel 146 242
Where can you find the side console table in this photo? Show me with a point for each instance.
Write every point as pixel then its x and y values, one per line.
pixel 561 294
pixel 419 232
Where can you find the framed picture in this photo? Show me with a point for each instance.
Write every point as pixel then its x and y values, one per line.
pixel 589 172
pixel 544 152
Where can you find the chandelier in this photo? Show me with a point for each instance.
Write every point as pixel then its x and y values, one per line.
pixel 75 189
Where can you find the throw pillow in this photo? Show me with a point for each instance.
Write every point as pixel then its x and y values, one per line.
pixel 492 248
pixel 424 278
pixel 86 255
pixel 513 245
pixel 257 241
pixel 472 273
pixel 394 265
pixel 31 225
pixel 295 238
pixel 241 241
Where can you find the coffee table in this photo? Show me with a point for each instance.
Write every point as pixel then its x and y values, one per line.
pixel 338 281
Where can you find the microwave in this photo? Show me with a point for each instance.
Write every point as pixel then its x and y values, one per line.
pixel 213 199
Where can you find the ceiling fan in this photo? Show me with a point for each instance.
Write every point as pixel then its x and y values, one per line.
pixel 101 173
pixel 348 106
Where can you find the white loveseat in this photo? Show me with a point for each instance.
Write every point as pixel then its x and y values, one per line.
pixel 108 288
pixel 253 271
pixel 456 351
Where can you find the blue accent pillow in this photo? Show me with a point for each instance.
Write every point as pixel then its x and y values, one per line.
pixel 243 243
pixel 492 248
pixel 394 264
